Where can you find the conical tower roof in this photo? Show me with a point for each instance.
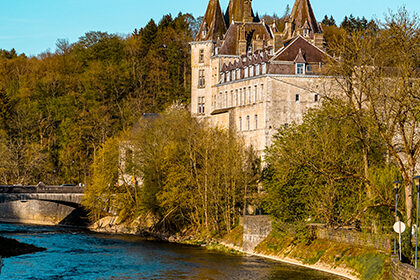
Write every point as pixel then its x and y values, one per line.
pixel 302 12
pixel 213 25
pixel 239 11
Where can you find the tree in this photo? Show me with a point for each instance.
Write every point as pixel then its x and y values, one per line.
pixel 378 71
pixel 315 170
pixel 328 21
pixel 191 177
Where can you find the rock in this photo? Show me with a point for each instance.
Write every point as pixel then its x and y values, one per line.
pixel 12 248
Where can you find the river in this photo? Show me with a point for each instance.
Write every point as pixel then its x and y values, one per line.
pixel 81 255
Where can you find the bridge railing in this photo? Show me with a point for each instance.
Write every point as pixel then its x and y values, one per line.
pixel 40 189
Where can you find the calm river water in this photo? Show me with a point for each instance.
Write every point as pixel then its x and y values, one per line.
pixel 75 254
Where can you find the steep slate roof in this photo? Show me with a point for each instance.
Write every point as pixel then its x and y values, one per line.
pixel 301 12
pixel 252 30
pixel 236 11
pixel 301 50
pixel 213 22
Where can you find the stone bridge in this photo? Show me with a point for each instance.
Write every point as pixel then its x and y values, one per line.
pixel 40 204
pixel 67 195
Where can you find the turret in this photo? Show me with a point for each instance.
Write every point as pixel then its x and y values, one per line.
pixel 213 25
pixel 239 11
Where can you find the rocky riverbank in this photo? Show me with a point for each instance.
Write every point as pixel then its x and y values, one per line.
pixel 11 248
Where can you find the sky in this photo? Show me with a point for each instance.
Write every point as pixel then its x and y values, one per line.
pixel 33 26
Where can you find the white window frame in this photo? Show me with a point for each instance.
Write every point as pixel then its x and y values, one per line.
pixel 300 66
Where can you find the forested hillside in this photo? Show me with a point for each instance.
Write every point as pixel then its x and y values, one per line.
pixel 57 109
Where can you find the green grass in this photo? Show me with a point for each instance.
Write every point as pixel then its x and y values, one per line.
pixel 370 266
pixel 223 249
pixel 367 263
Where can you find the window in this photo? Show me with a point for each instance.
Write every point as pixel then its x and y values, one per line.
pixel 257 70
pixel 231 98
pixel 201 56
pixel 264 68
pixel 247 123
pixel 300 68
pixel 227 76
pixel 297 97
pixel 255 94
pixel 201 79
pixel 220 100
pixel 201 105
pixel 240 124
pixel 306 32
pixel 316 97
pixel 246 72
pixel 251 71
pixel 238 74
pixel 262 92
pixel 256 122
pixel 249 95
pixel 240 97
pixel 233 75
pixel 244 91
pixel 222 78
pixel 308 68
pixel 226 99
pixel 236 98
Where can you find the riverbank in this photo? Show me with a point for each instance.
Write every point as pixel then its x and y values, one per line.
pixel 344 260
pixel 339 272
pixel 11 248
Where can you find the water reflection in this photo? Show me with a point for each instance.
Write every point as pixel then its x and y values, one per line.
pixel 81 255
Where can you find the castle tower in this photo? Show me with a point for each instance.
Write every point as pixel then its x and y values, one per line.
pixel 302 13
pixel 239 11
pixel 212 30
pixel 213 26
pixel 302 21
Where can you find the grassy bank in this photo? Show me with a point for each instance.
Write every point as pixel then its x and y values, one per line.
pixel 367 263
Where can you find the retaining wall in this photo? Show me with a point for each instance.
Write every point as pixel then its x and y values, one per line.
pixel 379 241
pixel 402 271
pixel 256 229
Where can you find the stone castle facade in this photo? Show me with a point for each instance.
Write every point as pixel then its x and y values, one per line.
pixel 253 77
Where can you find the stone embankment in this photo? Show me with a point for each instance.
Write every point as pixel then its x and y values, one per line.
pixel 402 271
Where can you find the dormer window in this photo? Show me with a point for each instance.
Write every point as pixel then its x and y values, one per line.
pixel 222 78
pixel 227 76
pixel 233 75
pixel 251 71
pixel 238 74
pixel 264 68
pixel 246 72
pixel 257 70
pixel 306 32
pixel 300 68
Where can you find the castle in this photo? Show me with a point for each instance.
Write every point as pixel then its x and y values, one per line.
pixel 253 77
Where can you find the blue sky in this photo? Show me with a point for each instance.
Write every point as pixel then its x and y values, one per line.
pixel 33 26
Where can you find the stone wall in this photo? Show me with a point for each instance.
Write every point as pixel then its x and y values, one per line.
pixel 256 229
pixel 402 271
pixel 34 212
pixel 378 241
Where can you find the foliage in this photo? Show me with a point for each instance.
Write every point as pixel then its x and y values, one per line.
pixel 315 169
pixel 378 75
pixel 190 176
pixel 58 109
